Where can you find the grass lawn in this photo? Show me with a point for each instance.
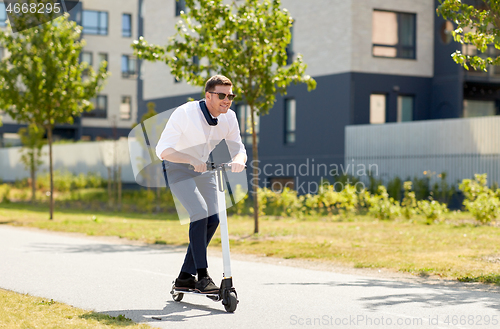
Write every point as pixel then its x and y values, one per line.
pixel 454 249
pixel 24 311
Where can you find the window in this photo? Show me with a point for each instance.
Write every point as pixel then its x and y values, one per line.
pixel 479 108
pixel 126 108
pixel 405 108
pixel 95 22
pixel 290 121
pixel 87 57
pixel 3 15
pixel 180 5
pixel 377 108
pixel 102 57
pixel 289 49
pixel 126 25
pixel 100 108
pixel 393 34
pixel 129 67
pixel 244 119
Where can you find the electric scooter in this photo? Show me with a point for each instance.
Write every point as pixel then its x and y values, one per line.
pixel 227 293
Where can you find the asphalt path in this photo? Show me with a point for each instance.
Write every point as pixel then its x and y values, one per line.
pixel 134 280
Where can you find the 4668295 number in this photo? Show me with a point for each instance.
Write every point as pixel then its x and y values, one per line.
pixel 32 8
pixel 472 320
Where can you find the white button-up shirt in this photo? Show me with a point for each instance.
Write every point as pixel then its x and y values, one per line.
pixel 188 132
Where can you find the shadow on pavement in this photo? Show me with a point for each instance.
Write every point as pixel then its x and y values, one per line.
pixel 434 296
pixel 102 248
pixel 172 312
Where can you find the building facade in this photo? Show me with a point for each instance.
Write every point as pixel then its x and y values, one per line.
pixel 109 28
pixel 375 62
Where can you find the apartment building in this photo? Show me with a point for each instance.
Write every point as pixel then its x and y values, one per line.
pixel 354 65
pixel 109 28
pixel 375 62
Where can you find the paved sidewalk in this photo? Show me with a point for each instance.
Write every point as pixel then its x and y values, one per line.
pixel 134 280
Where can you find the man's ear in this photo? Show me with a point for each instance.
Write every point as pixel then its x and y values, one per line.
pixel 208 95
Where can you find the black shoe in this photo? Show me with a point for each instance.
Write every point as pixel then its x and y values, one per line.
pixel 185 284
pixel 206 286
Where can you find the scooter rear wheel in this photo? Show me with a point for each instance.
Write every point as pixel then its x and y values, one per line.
pixel 232 303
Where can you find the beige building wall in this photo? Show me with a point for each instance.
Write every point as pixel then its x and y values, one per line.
pixel 362 59
pixel 333 36
pixel 115 45
pixel 159 25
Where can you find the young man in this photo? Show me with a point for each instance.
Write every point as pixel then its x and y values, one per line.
pixel 191 134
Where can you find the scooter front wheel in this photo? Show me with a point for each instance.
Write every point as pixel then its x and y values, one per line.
pixel 177 297
pixel 232 302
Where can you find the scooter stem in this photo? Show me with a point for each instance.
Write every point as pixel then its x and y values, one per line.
pixel 224 235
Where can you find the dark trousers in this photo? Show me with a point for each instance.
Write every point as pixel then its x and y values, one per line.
pixel 198 194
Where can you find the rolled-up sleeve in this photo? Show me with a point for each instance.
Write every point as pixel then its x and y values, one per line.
pixel 233 139
pixel 172 132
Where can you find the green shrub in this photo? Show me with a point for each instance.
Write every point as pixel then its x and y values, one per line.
pixel 374 184
pixel 394 188
pixel 480 200
pixel 240 208
pixel 432 210
pixel 382 206
pixel 5 193
pixel 327 197
pixel 65 181
pixel 347 202
pixel 287 203
pixel 421 187
pixel 409 202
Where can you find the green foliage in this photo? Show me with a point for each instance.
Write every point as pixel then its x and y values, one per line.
pixel 482 202
pixel 409 202
pixel 343 180
pixel 432 210
pixel 394 188
pixel 5 193
pixel 348 201
pixel 240 207
pixel 32 139
pixel 478 26
pixel 374 183
pixel 421 187
pixel 442 191
pixel 382 206
pixel 41 80
pixel 243 40
pixel 65 181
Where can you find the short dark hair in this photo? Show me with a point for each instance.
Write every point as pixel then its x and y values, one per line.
pixel 217 80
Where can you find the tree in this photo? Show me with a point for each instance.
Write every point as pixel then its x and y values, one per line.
pixel 32 139
pixel 42 80
pixel 246 42
pixel 477 25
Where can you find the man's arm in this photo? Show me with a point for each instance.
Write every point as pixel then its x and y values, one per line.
pixel 172 155
pixel 238 164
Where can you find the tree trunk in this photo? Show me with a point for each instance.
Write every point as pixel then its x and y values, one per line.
pixel 110 193
pixel 255 160
pixel 33 180
pixel 51 206
pixel 119 186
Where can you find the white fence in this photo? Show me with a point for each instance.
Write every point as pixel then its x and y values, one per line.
pixel 459 147
pixel 76 158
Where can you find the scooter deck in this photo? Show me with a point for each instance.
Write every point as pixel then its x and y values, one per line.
pixel 214 296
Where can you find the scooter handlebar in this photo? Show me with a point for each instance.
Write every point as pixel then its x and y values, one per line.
pixel 212 166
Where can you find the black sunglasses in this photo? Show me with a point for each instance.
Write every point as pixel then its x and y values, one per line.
pixel 223 96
